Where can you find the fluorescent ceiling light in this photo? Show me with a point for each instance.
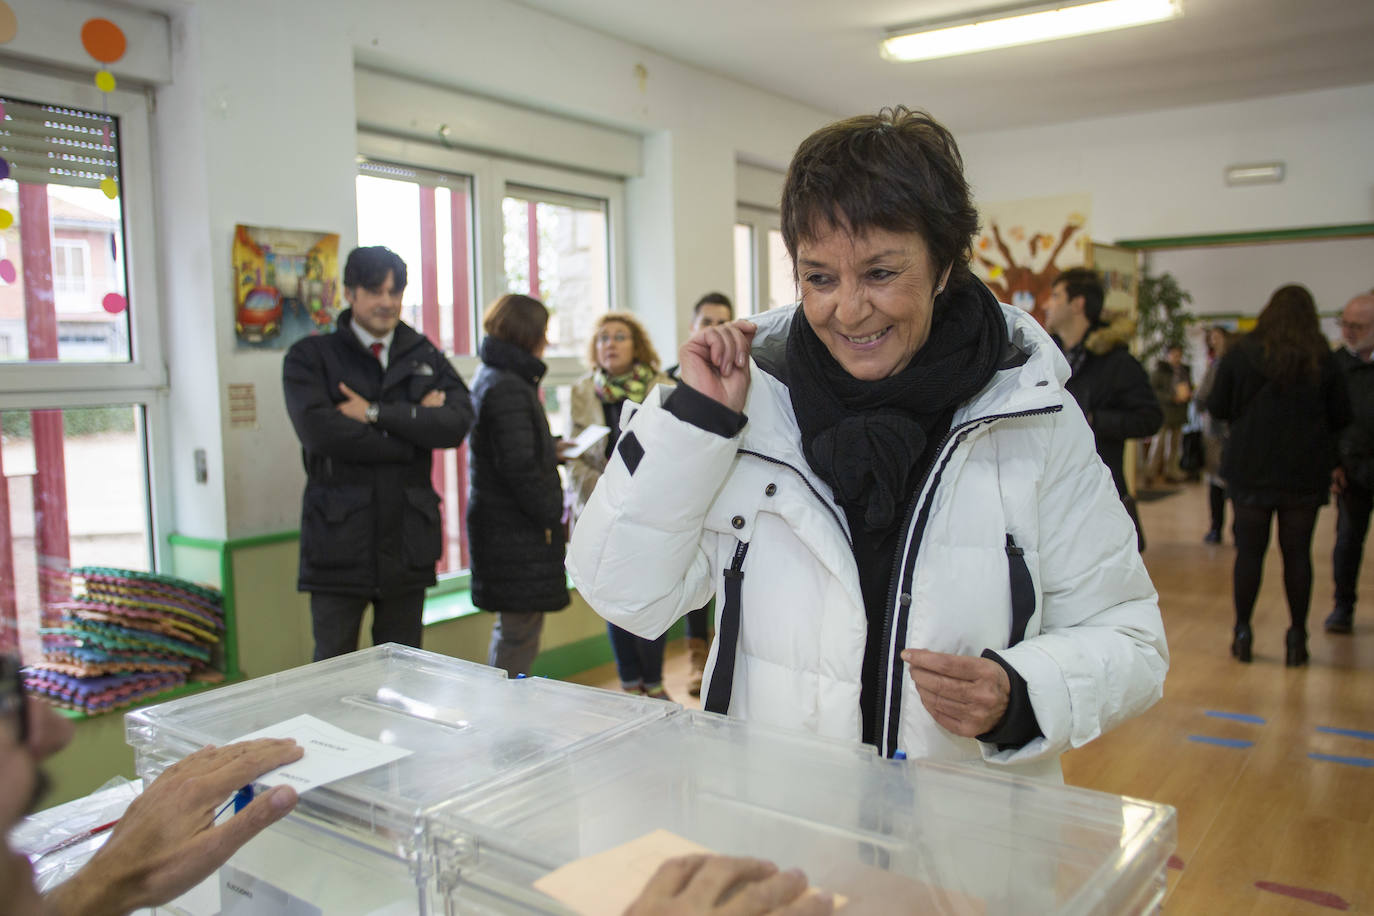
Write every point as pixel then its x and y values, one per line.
pixel 1256 173
pixel 1023 26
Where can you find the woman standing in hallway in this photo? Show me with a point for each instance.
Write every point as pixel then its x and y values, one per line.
pixel 515 500
pixel 1284 398
pixel 624 368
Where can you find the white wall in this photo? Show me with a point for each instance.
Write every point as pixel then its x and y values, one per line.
pixel 1160 174
pixel 259 127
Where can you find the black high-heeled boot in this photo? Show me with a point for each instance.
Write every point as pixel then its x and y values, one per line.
pixel 1296 654
pixel 1240 645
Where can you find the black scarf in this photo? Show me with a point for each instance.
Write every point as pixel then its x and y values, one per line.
pixel 866 438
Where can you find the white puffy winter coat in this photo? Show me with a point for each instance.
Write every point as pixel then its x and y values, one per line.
pixel 656 538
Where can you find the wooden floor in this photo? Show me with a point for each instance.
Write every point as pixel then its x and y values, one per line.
pixel 1264 826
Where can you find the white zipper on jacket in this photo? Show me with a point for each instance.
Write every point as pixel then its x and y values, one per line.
pixel 889 669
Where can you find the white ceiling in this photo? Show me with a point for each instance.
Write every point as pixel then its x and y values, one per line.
pixel 825 53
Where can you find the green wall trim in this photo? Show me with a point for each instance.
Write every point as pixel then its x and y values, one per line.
pixel 1347 230
pixel 164 696
pixel 574 658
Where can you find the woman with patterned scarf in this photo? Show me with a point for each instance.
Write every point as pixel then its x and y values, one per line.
pixel 624 368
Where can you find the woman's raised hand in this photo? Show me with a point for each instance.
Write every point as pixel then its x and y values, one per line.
pixel 715 361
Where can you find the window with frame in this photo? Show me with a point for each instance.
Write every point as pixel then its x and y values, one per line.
pixel 492 227
pixel 70 273
pixel 768 276
pixel 82 381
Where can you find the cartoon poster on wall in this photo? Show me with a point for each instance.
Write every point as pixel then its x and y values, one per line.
pixel 1025 244
pixel 285 285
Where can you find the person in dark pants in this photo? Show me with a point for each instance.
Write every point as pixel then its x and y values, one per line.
pixel 711 310
pixel 370 402
pixel 1213 434
pixel 1109 384
pixel 1353 479
pixel 1285 399
pixel 515 497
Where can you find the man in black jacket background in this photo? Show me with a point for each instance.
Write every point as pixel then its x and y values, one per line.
pixel 1109 384
pixel 1353 479
pixel 370 402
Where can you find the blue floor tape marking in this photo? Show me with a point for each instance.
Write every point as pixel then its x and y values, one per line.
pixel 1237 716
pixel 1223 742
pixel 1347 732
pixel 1352 761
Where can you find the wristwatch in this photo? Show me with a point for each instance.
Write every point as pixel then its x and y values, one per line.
pixel 373 410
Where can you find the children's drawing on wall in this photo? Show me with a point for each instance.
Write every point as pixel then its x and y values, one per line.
pixel 1025 244
pixel 285 285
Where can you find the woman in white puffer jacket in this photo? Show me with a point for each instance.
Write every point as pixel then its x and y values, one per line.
pixel 899 509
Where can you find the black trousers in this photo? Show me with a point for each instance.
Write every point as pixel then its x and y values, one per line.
pixel 1352 524
pixel 1251 529
pixel 337 618
pixel 699 623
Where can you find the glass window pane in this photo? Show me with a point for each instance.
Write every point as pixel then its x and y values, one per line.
pixel 744 269
pixel 425 217
pixel 62 282
pixel 569 240
pixel 73 492
pixel 782 285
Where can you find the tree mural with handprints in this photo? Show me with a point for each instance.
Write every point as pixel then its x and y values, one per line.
pixel 1020 281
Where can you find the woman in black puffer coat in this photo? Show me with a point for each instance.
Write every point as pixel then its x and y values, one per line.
pixel 515 498
pixel 1285 400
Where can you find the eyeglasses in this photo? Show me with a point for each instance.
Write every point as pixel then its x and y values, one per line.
pixel 1354 325
pixel 612 338
pixel 13 713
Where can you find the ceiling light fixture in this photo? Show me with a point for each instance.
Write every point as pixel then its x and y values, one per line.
pixel 1255 173
pixel 1022 26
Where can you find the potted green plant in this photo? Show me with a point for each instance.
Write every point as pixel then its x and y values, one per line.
pixel 1161 318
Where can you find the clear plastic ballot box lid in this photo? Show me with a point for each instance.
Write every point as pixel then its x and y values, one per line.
pixel 891 836
pixel 464 723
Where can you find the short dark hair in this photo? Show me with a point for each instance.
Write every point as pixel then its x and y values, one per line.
pixel 714 299
pixel 367 267
pixel 899 171
pixel 516 319
pixel 1083 281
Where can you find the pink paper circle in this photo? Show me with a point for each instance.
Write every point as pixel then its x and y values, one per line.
pixel 7 271
pixel 114 303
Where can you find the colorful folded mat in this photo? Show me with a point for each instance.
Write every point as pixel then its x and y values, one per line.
pixel 125 636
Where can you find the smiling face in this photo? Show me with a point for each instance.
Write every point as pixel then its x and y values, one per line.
pixel 376 311
pixel 615 347
pixel 868 297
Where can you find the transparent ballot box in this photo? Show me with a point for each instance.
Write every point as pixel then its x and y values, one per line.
pixel 360 845
pixel 891 836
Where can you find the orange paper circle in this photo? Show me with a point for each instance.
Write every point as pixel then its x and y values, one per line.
pixel 105 81
pixel 6 219
pixel 108 186
pixel 9 25
pixel 103 40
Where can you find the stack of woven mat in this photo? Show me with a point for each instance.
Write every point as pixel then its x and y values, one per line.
pixel 124 636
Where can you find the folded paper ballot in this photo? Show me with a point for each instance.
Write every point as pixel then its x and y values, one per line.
pixel 584 440
pixel 605 884
pixel 330 753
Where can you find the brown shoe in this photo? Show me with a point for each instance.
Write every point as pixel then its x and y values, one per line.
pixel 696 658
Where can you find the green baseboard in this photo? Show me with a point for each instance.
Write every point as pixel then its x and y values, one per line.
pixel 574 658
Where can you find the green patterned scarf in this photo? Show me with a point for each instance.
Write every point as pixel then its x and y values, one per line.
pixel 635 384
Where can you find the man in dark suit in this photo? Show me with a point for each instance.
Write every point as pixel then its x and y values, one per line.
pixel 370 402
pixel 1353 479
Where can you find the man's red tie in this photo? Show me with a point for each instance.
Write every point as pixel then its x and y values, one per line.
pixel 376 349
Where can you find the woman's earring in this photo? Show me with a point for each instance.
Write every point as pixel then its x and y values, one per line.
pixel 939 289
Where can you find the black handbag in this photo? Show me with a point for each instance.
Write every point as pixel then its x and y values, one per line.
pixel 1191 451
